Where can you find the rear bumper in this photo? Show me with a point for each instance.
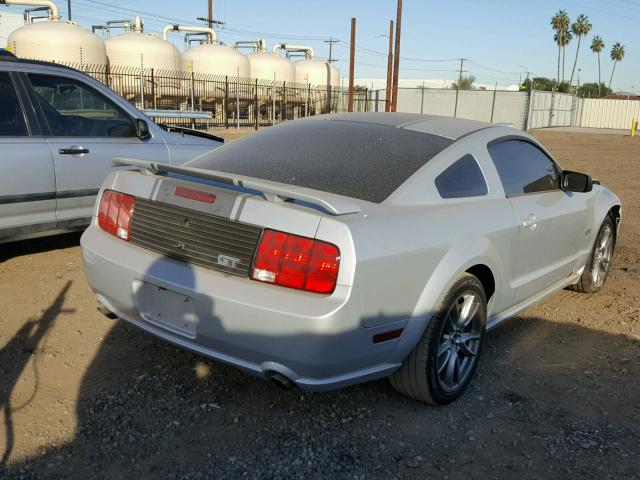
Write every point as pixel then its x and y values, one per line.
pixel 316 341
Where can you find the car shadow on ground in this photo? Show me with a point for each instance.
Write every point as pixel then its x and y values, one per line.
pixel 550 400
pixel 14 357
pixel 38 245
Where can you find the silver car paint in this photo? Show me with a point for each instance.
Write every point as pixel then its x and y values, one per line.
pixel 32 165
pixel 399 258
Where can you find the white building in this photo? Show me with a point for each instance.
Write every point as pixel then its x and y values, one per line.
pixel 8 23
pixel 380 83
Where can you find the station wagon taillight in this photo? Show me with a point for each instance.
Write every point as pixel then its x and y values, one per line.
pixel 114 213
pixel 296 262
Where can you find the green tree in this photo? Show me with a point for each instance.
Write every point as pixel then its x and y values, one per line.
pixel 548 84
pixel 580 28
pixel 617 54
pixel 593 90
pixel 561 23
pixel 597 45
pixel 465 83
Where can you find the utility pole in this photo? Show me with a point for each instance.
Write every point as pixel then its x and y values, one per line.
pixel 396 60
pixel 352 61
pixel 331 42
pixel 460 74
pixel 387 101
pixel 69 9
pixel 210 16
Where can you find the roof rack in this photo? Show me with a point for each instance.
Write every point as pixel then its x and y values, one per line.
pixel 6 56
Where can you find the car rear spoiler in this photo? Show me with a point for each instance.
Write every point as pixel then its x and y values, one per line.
pixel 272 191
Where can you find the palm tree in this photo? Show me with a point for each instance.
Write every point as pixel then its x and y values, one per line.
pixel 560 23
pixel 580 28
pixel 597 45
pixel 617 54
pixel 563 39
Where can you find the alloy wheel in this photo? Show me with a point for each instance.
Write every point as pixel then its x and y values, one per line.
pixel 602 255
pixel 460 341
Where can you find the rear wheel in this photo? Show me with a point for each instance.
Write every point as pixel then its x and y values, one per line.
pixel 597 268
pixel 440 367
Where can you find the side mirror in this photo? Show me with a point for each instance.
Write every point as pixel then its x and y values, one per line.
pixel 576 182
pixel 142 129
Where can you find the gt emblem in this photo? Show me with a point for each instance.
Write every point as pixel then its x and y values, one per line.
pixel 227 261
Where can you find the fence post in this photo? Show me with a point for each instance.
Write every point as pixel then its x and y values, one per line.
pixel 422 99
pixel 226 101
pixel 142 87
pixel 238 100
pixel 377 98
pixel 527 118
pixel 283 106
pixel 153 88
pixel 307 114
pixel 493 103
pixel 256 109
pixel 193 96
pixel 455 106
pixel 553 98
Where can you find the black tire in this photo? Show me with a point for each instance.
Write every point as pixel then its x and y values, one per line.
pixel 588 283
pixel 419 376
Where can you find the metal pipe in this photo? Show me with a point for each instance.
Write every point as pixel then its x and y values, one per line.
pixel 174 27
pixel 54 14
pixel 256 45
pixel 308 51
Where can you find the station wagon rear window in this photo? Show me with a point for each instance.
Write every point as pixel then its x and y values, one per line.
pixel 358 160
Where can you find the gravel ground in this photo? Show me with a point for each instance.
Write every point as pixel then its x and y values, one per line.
pixel 557 393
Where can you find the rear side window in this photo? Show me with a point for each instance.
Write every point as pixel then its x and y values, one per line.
pixel 74 109
pixel 462 179
pixel 12 122
pixel 523 168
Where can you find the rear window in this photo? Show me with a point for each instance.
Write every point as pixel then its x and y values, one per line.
pixel 353 159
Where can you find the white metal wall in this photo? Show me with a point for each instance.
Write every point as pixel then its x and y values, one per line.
pixel 484 105
pixel 604 113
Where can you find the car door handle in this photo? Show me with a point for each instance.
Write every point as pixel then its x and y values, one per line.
pixel 73 150
pixel 530 222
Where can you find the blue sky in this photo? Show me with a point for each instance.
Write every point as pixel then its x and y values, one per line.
pixel 495 35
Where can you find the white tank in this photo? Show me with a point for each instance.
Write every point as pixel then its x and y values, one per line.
pixel 317 73
pixel 216 59
pixel 138 49
pixel 55 41
pixel 264 65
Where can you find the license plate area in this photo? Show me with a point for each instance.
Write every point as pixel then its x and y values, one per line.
pixel 165 308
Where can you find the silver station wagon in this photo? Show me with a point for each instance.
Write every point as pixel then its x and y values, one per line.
pixel 59 131
pixel 343 248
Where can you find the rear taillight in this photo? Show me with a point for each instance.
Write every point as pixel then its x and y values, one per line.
pixel 114 213
pixel 296 262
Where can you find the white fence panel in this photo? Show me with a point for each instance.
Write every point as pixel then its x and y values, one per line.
pixel 607 113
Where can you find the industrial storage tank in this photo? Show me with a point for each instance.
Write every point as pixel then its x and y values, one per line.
pixel 141 50
pixel 56 41
pixel 136 51
pixel 317 72
pixel 271 66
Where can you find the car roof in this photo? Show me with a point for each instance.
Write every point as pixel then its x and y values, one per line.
pixel 13 59
pixel 452 128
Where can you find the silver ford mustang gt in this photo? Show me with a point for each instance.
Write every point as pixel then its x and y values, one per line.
pixel 338 249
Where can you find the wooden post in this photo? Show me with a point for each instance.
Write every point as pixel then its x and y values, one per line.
pixel 396 59
pixel 387 101
pixel 352 58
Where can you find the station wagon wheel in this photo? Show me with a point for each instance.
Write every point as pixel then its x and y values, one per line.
pixel 597 267
pixel 440 367
pixel 459 341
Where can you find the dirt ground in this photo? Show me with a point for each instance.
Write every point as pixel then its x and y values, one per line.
pixel 557 393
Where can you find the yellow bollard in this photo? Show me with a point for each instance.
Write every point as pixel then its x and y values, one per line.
pixel 634 125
